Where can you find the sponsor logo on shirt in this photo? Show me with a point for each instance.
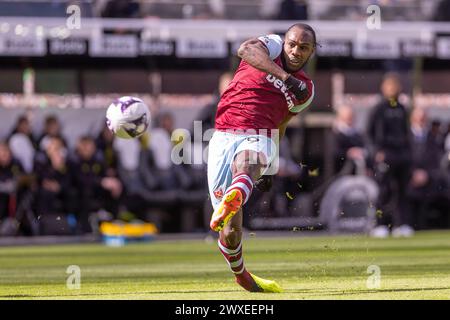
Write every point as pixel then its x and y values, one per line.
pixel 277 83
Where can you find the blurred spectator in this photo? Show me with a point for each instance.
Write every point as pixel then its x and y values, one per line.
pixel 146 197
pixel 10 172
pixel 52 129
pixel 442 12
pixel 22 143
pixel 293 10
pixel 437 137
pixel 207 114
pixel 136 182
pixel 445 167
pixel 447 139
pixel 188 181
pixel 348 142
pixel 391 151
pixel 161 142
pixel 121 9
pixel 170 176
pixel 54 190
pixel 217 8
pixel 128 153
pixel 105 145
pixel 269 9
pixel 95 191
pixel 426 182
pixel 16 215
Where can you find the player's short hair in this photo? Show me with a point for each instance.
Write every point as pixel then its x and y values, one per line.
pixel 305 27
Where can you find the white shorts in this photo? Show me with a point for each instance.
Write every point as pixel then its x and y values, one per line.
pixel 223 147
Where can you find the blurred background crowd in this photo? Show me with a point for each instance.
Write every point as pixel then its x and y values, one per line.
pixel 63 172
pixel 395 10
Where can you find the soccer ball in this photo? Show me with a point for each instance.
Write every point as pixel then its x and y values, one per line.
pixel 128 117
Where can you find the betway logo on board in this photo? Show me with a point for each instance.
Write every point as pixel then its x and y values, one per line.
pixel 277 83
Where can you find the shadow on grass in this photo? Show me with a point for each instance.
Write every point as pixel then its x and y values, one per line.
pixel 113 294
pixel 310 292
pixel 337 292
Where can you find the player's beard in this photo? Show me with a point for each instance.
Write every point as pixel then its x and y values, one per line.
pixel 286 67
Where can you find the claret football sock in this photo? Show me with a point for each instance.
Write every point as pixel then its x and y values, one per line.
pixel 235 197
pixel 233 257
pixel 244 278
pixel 244 184
pixel 236 262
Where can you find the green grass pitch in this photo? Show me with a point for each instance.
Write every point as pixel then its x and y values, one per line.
pixel 331 267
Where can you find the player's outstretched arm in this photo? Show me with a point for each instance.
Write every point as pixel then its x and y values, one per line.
pixel 255 53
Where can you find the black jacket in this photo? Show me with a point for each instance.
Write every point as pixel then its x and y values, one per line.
pixel 388 128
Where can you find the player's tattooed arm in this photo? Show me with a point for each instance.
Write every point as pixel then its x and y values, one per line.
pixel 255 53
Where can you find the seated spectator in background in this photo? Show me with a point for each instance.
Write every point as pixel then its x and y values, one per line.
pixel 146 197
pixel 104 144
pixel 128 157
pixel 348 142
pixel 22 143
pixel 54 188
pixel 135 165
pixel 161 142
pixel 426 183
pixel 10 174
pixel 170 176
pixel 207 114
pixel 52 128
pixel 95 191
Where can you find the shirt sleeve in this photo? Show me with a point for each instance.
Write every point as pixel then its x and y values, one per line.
pixel 274 44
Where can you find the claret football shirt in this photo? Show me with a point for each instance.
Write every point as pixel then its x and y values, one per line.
pixel 257 100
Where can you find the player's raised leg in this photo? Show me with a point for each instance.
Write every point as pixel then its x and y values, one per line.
pixel 246 168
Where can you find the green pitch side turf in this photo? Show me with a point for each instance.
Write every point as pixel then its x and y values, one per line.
pixel 306 267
